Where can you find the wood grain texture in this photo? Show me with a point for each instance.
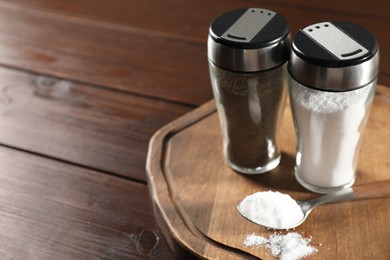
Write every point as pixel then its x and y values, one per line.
pixel 152 16
pixel 373 190
pixel 160 54
pixel 51 210
pixel 78 123
pixel 197 194
pixel 86 51
pixel 356 8
pixel 84 84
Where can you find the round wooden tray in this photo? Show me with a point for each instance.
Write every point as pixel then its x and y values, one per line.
pixel 195 194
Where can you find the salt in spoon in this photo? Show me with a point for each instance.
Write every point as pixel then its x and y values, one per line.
pixel 370 191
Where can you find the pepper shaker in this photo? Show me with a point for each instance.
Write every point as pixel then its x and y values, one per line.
pixel 333 71
pixel 248 51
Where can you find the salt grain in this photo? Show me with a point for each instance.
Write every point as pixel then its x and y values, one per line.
pixel 271 209
pixel 290 246
pixel 329 127
pixel 254 240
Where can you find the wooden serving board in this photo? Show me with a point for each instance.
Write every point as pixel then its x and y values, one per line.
pixel 195 194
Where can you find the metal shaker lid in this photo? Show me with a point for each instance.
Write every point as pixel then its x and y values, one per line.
pixel 249 40
pixel 334 56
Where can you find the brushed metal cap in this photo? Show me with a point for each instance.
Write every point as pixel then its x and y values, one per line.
pixel 334 56
pixel 249 40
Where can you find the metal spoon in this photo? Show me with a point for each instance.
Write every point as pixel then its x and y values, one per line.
pixel 370 191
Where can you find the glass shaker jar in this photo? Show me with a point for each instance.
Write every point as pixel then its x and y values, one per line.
pixel 248 51
pixel 333 70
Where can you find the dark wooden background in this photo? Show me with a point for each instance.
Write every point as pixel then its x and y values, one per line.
pixel 83 86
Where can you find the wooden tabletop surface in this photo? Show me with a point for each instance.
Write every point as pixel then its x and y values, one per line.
pixel 84 85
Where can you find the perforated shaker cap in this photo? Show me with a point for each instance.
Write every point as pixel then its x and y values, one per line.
pixel 249 40
pixel 334 56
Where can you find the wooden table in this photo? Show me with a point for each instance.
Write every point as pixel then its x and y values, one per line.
pixel 84 85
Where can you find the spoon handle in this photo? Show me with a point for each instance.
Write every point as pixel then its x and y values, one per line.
pixel 372 191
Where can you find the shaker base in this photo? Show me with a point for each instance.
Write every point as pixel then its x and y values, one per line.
pixel 323 190
pixel 258 170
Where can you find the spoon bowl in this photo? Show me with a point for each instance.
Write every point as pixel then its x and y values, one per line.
pixel 370 191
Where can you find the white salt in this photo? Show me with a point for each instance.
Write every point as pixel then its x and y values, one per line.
pixel 255 240
pixel 330 126
pixel 290 246
pixel 271 209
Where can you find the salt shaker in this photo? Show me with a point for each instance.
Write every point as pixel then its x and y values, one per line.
pixel 333 70
pixel 248 51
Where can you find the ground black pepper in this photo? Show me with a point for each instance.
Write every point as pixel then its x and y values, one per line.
pixel 251 106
